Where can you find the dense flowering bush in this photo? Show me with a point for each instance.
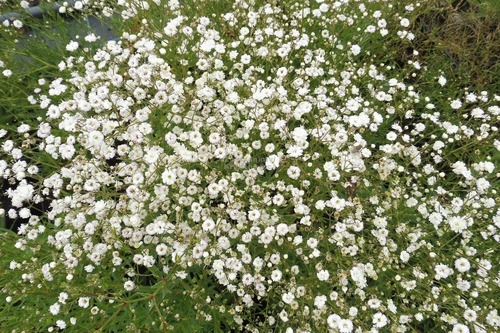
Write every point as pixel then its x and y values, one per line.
pixel 257 166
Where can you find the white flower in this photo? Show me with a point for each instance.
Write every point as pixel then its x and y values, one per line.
pixel 271 231
pixel 404 22
pixel 295 151
pixel 276 275
pixel 312 243
pixel 323 275
pixel 247 279
pixel 482 185
pixel 301 109
pixel 188 31
pixel 299 134
pixel 283 316
pixel 272 162
pixel 148 261
pixel 379 320
pixel 358 276
pixel 463 285
pixel 442 80
pixel 470 315
pixel 352 105
pixel 391 136
pixel 90 37
pixel 18 24
pixel 139 93
pixel 435 218
pixel 72 46
pixel 320 301
pixel 333 320
pixel 208 225
pixel 462 265
pixel 345 326
pixel 404 256
pixel 170 30
pixel 460 168
pixel 208 45
pixel 293 172
pixel 282 72
pixel 63 297
pixel 245 59
pixel 355 49
pixel 213 189
pixel 320 205
pixel 460 328
pixel 288 298
pixel 456 104
pixel 169 177
pixel 442 271
pixel 438 145
pixel 254 215
pixel 84 302
pixel 54 308
pixel 129 285
pixel 265 238
pixel 161 249
pixel 282 229
pixel 457 223
pixel 224 242
pixel 61 324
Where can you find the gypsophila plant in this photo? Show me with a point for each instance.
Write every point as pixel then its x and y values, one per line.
pixel 251 166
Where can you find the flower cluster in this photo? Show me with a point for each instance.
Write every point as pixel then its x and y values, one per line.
pixel 267 154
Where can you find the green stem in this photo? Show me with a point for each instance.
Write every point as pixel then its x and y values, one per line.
pixel 124 304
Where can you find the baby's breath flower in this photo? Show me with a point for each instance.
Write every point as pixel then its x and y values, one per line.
pixel 355 49
pixel 72 46
pixel 84 302
pixel 61 324
pixel 55 308
pixel 251 153
pixel 129 285
pixel 456 104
